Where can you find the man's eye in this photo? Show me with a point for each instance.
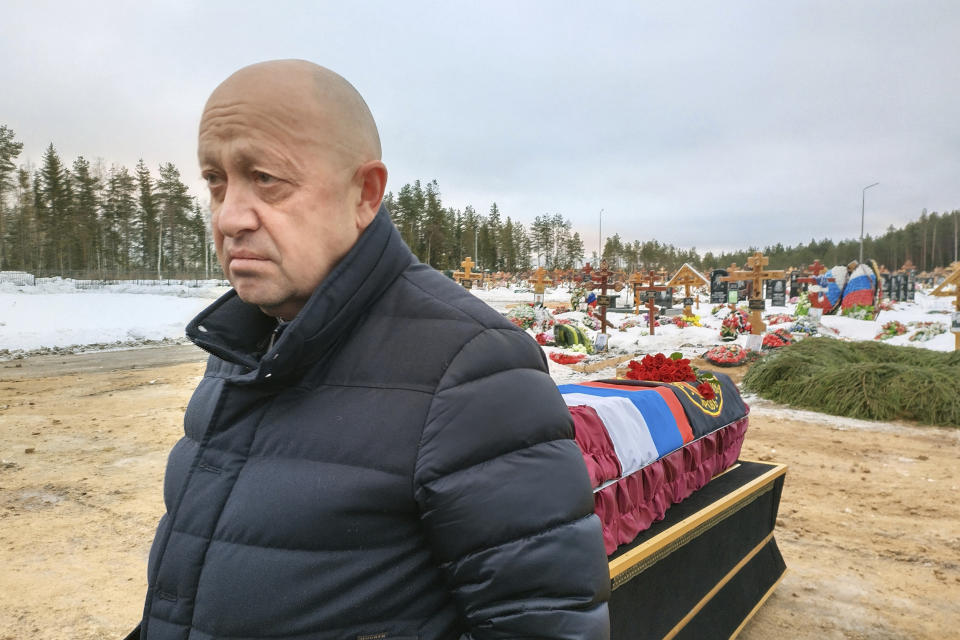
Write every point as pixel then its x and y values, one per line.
pixel 264 178
pixel 212 179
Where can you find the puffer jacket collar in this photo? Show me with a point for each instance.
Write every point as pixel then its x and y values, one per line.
pixel 233 330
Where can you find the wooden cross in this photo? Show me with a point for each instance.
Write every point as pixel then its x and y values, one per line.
pixel 650 290
pixel 466 277
pixel 688 277
pixel 587 269
pixel 941 291
pixel 635 280
pixel 816 268
pixel 601 279
pixel 756 275
pixel 540 284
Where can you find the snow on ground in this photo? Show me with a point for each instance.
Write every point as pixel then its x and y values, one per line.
pixel 57 314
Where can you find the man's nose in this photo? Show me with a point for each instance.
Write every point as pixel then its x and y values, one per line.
pixel 238 211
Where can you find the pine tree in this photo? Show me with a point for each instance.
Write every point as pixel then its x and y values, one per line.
pixel 84 247
pixel 22 228
pixel 119 219
pixel 495 249
pixel 54 209
pixel 147 241
pixel 9 150
pixel 174 210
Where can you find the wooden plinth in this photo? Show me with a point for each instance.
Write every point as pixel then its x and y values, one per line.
pixel 704 570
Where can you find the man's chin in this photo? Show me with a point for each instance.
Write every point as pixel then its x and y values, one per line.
pixel 272 303
pixel 253 293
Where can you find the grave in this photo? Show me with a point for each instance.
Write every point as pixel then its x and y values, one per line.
pixel 718 288
pixel 540 285
pixel 688 277
pixel 601 279
pixel 647 293
pixel 755 275
pixel 951 287
pixel 466 277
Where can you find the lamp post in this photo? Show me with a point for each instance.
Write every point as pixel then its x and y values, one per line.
pixel 863 202
pixel 600 238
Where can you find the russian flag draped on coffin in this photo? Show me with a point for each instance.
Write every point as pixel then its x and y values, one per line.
pixel 648 445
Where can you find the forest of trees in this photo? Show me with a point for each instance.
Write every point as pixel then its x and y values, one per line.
pixel 92 221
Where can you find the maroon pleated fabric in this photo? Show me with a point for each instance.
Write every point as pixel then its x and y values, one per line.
pixel 595 444
pixel 632 504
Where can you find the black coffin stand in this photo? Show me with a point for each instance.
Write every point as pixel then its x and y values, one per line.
pixel 705 569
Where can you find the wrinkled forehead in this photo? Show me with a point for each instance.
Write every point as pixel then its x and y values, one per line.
pixel 281 129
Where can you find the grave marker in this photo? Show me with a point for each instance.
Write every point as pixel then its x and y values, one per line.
pixel 718 288
pixel 687 277
pixel 649 293
pixel 778 293
pixel 755 275
pixel 943 290
pixel 540 285
pixel 466 277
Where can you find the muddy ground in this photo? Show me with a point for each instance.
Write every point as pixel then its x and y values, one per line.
pixel 869 520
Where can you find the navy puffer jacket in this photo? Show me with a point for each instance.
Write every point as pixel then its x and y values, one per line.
pixel 397 465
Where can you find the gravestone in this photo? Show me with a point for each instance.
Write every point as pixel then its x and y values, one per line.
pixel 778 293
pixel 911 286
pixel 895 287
pixel 885 284
pixel 794 284
pixel 664 299
pixel 904 286
pixel 718 288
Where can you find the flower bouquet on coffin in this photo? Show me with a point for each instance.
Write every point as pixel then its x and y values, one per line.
pixel 675 368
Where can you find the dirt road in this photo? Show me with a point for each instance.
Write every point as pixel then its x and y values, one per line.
pixel 869 520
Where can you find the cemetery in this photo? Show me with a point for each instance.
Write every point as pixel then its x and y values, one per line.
pixel 691 417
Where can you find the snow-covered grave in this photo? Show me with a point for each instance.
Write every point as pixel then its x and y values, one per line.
pixel 54 314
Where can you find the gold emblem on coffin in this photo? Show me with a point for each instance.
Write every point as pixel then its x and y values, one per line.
pixel 710 407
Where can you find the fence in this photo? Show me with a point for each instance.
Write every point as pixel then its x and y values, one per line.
pixel 19 278
pixel 85 279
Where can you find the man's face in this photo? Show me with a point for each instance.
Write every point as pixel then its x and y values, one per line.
pixel 281 202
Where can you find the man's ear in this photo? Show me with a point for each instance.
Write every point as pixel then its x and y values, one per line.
pixel 372 180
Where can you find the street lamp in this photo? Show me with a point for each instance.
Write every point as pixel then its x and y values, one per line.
pixel 863 201
pixel 600 238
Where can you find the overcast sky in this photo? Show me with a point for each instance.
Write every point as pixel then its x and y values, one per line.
pixel 710 124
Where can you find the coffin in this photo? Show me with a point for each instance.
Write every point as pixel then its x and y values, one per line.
pixel 688 528
pixel 649 445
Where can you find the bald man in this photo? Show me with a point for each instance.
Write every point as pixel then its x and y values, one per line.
pixel 372 453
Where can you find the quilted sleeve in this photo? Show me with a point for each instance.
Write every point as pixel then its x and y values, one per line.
pixel 505 498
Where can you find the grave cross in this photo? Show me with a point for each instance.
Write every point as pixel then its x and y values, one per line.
pixel 816 268
pixel 650 291
pixel 466 277
pixel 635 280
pixel 601 279
pixel 688 277
pixel 587 269
pixel 942 290
pixel 756 275
pixel 540 284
